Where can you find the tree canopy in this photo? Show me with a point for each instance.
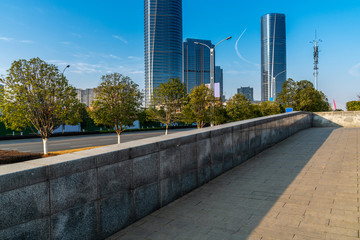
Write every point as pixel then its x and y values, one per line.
pixel 36 95
pixel 198 109
pixel 239 107
pixel 302 96
pixel 167 102
pixel 117 102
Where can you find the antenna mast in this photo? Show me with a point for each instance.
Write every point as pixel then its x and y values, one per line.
pixel 316 59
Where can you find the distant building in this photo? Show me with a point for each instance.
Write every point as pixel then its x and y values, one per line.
pixel 196 63
pixel 163 43
pixel 86 96
pixel 273 54
pixel 247 91
pixel 219 78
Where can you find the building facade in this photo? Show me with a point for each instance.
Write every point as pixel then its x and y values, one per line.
pixel 86 96
pixel 196 63
pixel 273 55
pixel 247 91
pixel 162 43
pixel 219 79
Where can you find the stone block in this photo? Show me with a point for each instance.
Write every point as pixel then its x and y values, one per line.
pixel 169 163
pixel 216 169
pixel 18 175
pixel 75 223
pixel 65 167
pixel 252 141
pixel 188 158
pixel 203 135
pixel 38 229
pixel 115 178
pixel 237 141
pixel 146 170
pixel 143 150
pixel 177 141
pixel 24 204
pixel 72 190
pixel 203 152
pixel 146 200
pixel 170 190
pixel 113 157
pixel 204 175
pixel 189 181
pixel 258 133
pixel 116 213
pixel 228 151
pixel 217 149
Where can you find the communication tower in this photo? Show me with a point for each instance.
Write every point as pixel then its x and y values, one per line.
pixel 316 59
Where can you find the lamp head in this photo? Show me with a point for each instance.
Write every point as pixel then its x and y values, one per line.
pixel 228 38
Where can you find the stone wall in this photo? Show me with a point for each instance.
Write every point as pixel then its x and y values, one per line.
pixel 95 193
pixel 337 119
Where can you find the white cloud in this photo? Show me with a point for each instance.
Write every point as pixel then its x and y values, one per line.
pixel 120 38
pixel 6 39
pixel 355 70
pixel 65 43
pixel 26 41
pixel 134 58
pixel 115 57
pixel 136 72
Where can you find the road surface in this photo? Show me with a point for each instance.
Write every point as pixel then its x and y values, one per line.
pixel 73 142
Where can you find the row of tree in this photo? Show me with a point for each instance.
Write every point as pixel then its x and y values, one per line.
pixel 38 96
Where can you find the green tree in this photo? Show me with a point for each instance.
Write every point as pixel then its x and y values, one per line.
pixel 198 109
pixel 36 95
pixel 239 107
pixel 302 96
pixel 269 108
pixel 167 102
pixel 117 102
pixel 353 106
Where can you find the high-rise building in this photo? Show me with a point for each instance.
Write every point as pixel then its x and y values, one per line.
pixel 247 91
pixel 196 63
pixel 273 54
pixel 163 43
pixel 219 78
pixel 86 96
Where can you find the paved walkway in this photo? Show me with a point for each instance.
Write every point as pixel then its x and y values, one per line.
pixel 306 187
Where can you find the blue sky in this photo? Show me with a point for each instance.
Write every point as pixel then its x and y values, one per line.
pixel 97 37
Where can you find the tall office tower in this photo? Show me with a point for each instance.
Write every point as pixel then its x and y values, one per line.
pixel 273 55
pixel 196 63
pixel 86 96
pixel 247 91
pixel 163 43
pixel 219 81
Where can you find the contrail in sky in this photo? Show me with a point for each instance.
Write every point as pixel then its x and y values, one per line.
pixel 238 53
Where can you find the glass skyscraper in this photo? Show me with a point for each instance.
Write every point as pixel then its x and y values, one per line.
pixel 163 43
pixel 273 54
pixel 196 60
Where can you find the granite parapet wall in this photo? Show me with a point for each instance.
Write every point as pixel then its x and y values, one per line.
pixel 95 193
pixel 350 119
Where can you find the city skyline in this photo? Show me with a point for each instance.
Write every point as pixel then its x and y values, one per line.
pixel 98 38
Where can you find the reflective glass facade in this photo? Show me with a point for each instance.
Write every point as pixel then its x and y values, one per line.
pixel 163 43
pixel 196 60
pixel 273 52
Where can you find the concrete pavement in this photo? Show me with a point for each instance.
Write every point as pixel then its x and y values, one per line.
pixel 306 187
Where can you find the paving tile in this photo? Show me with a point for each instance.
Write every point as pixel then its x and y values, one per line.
pixel 305 187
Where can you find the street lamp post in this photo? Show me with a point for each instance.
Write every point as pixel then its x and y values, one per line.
pixel 63 125
pixel 272 87
pixel 212 61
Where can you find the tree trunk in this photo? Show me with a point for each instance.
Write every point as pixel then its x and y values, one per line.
pixel 166 131
pixel 45 146
pixel 118 138
pixel 212 123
